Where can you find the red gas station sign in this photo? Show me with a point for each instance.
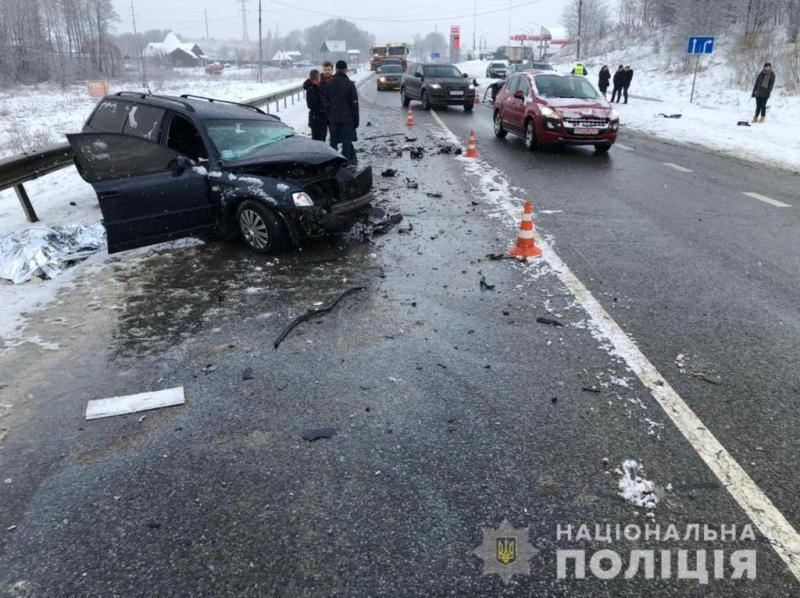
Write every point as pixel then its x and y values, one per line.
pixel 455 37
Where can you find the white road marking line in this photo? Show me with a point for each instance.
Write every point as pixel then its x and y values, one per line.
pixel 765 199
pixel 677 167
pixel 756 504
pixel 622 146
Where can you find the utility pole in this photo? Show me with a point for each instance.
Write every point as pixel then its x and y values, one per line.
pixel 99 39
pixel 244 20
pixel 474 26
pixel 138 47
pixel 260 55
pixel 206 14
pixel 580 16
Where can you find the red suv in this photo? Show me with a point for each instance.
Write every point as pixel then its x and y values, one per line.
pixel 551 108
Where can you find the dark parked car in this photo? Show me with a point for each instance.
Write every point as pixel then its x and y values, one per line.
pixel 389 76
pixel 552 108
pixel 497 70
pixel 437 85
pixel 168 167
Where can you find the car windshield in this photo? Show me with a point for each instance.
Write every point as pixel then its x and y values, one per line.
pixel 497 65
pixel 551 86
pixel 391 68
pixel 236 139
pixel 542 66
pixel 442 71
pixel 379 50
pixel 397 51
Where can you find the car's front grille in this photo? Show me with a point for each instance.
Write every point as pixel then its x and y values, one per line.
pixel 456 88
pixel 587 123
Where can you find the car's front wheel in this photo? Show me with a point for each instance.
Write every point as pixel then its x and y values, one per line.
pixel 260 228
pixel 426 104
pixel 530 135
pixel 499 131
pixel 468 107
pixel 602 148
pixel 404 98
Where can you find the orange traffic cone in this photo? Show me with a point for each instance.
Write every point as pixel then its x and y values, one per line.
pixel 477 96
pixel 410 118
pixel 526 244
pixel 472 149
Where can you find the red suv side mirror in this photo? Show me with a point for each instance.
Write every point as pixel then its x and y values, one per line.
pixel 519 95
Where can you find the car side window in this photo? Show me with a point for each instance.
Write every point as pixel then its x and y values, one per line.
pixel 184 138
pixel 511 84
pixel 523 86
pixel 108 156
pixel 144 121
pixel 110 116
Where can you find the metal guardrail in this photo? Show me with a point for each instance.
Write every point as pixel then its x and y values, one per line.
pixel 27 166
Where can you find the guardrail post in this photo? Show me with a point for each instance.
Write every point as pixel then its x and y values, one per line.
pixel 284 103
pixel 25 202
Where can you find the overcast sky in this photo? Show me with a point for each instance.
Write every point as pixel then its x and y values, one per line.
pixel 389 21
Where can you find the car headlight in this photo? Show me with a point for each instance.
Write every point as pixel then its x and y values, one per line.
pixel 382 79
pixel 301 199
pixel 548 112
pixel 615 114
pixel 436 86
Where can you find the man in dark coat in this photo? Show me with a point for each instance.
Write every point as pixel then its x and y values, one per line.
pixel 765 81
pixel 341 106
pixel 619 78
pixel 317 119
pixel 626 81
pixel 604 79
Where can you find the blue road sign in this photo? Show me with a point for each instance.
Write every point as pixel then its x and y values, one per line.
pixel 701 44
pixel 435 56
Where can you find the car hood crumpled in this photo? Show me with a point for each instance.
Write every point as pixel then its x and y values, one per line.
pixel 292 149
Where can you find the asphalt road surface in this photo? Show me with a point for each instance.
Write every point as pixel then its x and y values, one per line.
pixel 454 409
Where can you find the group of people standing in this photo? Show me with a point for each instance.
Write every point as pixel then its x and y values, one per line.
pixel 332 102
pixel 621 79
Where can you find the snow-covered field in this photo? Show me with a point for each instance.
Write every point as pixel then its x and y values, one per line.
pixel 710 120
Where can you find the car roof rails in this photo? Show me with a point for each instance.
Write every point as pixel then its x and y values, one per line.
pixel 146 95
pixel 189 96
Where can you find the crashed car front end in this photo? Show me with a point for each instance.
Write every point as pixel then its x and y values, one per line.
pixel 312 200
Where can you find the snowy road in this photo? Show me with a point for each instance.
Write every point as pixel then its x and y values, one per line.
pixel 454 408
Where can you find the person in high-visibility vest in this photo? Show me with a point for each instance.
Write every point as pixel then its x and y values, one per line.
pixel 579 69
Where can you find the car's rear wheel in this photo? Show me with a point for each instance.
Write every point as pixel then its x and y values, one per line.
pixel 499 131
pixel 404 98
pixel 426 104
pixel 260 228
pixel 468 107
pixel 602 148
pixel 530 135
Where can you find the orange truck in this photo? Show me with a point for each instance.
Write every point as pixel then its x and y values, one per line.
pixel 395 51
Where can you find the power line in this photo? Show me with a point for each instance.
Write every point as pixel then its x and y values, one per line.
pixel 417 20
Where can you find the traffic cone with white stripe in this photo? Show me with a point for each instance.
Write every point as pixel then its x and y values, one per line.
pixel 472 148
pixel 410 118
pixel 526 244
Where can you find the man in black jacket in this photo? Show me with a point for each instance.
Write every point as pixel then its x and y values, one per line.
pixel 317 120
pixel 341 106
pixel 765 81
pixel 626 81
pixel 619 78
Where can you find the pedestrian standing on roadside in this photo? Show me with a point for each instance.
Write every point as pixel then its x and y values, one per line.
pixel 580 69
pixel 626 81
pixel 604 79
pixel 317 120
pixel 619 77
pixel 327 72
pixel 765 81
pixel 341 106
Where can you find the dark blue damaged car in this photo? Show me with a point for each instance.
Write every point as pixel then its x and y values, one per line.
pixel 168 167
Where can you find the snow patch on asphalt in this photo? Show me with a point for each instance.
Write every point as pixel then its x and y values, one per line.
pixel 634 488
